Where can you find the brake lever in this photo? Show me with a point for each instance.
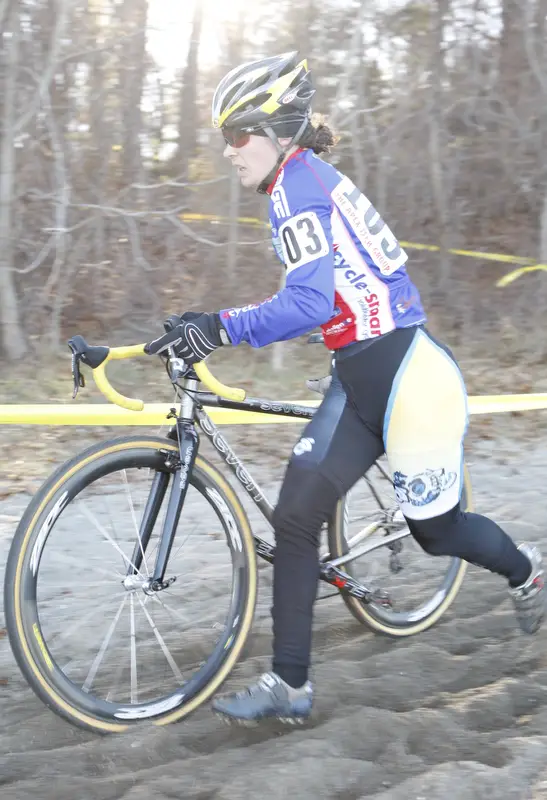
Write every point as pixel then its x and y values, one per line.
pixel 78 378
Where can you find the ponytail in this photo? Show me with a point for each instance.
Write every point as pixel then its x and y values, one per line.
pixel 319 138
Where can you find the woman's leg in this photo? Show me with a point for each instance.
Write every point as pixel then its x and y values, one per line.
pixel 424 425
pixel 480 541
pixel 335 450
pixel 476 539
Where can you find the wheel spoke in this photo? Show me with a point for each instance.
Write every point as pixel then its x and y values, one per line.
pixel 134 693
pixel 77 625
pixel 134 518
pixel 86 686
pixel 89 567
pixel 170 609
pixel 181 545
pixel 104 533
pixel 111 694
pixel 114 643
pixel 170 660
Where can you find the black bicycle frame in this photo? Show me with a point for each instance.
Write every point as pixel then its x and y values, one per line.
pixel 257 405
pixel 180 466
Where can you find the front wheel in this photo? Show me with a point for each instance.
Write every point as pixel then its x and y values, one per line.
pixel 368 538
pixel 98 647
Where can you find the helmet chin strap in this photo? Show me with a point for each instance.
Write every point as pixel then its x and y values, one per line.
pixel 282 152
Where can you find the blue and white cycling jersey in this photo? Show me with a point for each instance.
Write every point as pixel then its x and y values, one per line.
pixel 345 269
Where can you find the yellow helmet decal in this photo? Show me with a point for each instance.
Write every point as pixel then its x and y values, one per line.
pixel 279 88
pixel 275 90
pixel 221 119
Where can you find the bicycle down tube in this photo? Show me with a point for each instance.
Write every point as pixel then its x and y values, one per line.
pixel 329 572
pixel 184 431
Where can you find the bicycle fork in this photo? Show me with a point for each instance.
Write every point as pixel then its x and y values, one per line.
pixel 180 467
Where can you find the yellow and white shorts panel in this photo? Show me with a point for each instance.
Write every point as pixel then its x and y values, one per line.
pixel 424 427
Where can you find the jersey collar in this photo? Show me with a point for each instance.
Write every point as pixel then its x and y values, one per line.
pixel 282 167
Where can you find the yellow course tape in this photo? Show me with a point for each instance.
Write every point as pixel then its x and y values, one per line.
pixel 471 253
pixel 516 273
pixel 257 223
pixel 528 264
pixel 155 414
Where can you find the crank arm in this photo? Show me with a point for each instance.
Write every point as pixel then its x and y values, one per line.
pixel 336 577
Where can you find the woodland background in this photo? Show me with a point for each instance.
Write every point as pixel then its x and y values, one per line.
pixel 104 147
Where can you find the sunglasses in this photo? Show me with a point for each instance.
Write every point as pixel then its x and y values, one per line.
pixel 235 138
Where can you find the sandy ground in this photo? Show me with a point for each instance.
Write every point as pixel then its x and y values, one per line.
pixel 459 712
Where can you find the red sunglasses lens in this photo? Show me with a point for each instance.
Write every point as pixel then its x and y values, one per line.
pixel 235 138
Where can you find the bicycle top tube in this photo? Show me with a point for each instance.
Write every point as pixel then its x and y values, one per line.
pixel 98 356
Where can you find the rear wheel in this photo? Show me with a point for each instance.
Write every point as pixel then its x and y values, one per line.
pixel 420 587
pixel 104 651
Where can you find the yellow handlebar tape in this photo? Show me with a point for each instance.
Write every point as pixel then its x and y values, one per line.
pixel 99 376
pixel 130 351
pixel 118 353
pixel 215 386
pixel 111 394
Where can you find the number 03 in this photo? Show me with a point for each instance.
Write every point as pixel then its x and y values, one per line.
pixel 303 239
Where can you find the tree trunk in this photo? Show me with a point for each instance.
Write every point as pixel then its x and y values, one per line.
pixel 13 341
pixel 513 63
pixel 540 31
pixel 436 143
pixel 133 66
pixel 188 113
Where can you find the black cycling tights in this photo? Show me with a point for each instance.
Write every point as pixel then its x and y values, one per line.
pixel 306 501
pixel 339 448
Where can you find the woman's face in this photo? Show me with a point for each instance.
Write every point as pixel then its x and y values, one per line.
pixel 254 160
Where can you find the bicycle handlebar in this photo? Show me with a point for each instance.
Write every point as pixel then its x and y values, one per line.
pixel 133 404
pixel 104 385
pixel 215 386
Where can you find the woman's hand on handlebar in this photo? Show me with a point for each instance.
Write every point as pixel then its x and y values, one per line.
pixel 98 356
pixel 194 337
pixel 177 319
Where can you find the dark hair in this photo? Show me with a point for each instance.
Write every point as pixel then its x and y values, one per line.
pixel 319 138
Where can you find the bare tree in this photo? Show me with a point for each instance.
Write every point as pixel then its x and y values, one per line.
pixel 188 113
pixel 116 204
pixel 132 73
pixel 437 151
pixel 13 338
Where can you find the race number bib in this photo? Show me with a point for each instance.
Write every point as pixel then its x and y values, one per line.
pixel 370 228
pixel 302 240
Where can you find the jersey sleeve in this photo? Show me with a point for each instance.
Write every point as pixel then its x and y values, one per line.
pixel 307 300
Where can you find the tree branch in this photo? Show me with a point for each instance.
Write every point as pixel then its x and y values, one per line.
pixel 49 68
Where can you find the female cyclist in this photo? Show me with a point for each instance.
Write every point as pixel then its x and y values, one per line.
pixel 394 388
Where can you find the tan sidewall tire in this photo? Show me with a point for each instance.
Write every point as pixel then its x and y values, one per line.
pixel 362 612
pixel 35 672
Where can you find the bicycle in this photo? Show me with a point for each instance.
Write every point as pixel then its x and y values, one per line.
pixel 45 651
